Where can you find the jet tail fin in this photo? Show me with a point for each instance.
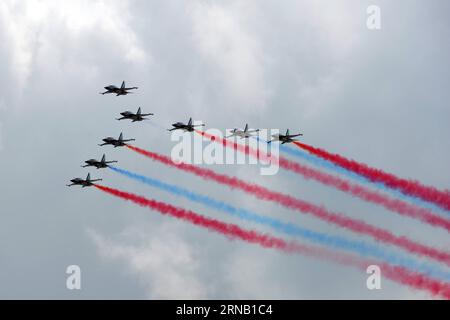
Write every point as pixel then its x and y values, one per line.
pixel 139 111
pixel 121 136
pixel 246 127
pixel 123 85
pixel 287 132
pixel 103 158
pixel 88 178
pixel 190 122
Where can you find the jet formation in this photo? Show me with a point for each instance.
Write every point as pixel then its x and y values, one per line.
pixel 139 116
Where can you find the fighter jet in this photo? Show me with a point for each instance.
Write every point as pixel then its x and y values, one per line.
pixel 116 142
pixel 134 117
pixel 83 183
pixel 185 127
pixel 122 91
pixel 242 133
pixel 285 138
pixel 98 164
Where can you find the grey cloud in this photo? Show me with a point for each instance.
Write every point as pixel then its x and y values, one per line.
pixel 312 66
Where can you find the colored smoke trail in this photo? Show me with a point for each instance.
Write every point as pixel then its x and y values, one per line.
pixel 359 247
pixel 409 187
pixel 317 161
pixel 228 229
pixel 398 274
pixel 320 212
pixel 395 205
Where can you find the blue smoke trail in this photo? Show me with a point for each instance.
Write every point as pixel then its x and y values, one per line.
pixel 331 166
pixel 362 248
pixel 350 174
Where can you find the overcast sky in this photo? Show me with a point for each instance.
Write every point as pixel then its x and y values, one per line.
pixel 309 65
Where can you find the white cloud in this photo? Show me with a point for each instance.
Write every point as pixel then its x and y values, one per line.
pixel 18 39
pixel 2 107
pixel 1 137
pixel 224 42
pixel 166 265
pixel 40 31
pixel 245 272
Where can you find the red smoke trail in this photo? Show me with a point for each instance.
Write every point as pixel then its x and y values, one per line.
pixel 398 274
pixel 236 146
pixel 357 226
pixel 366 194
pixel 408 187
pixel 415 280
pixel 395 205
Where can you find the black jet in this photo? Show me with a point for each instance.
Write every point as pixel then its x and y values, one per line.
pixel 98 164
pixel 122 91
pixel 138 116
pixel 185 127
pixel 242 133
pixel 116 142
pixel 285 138
pixel 83 183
